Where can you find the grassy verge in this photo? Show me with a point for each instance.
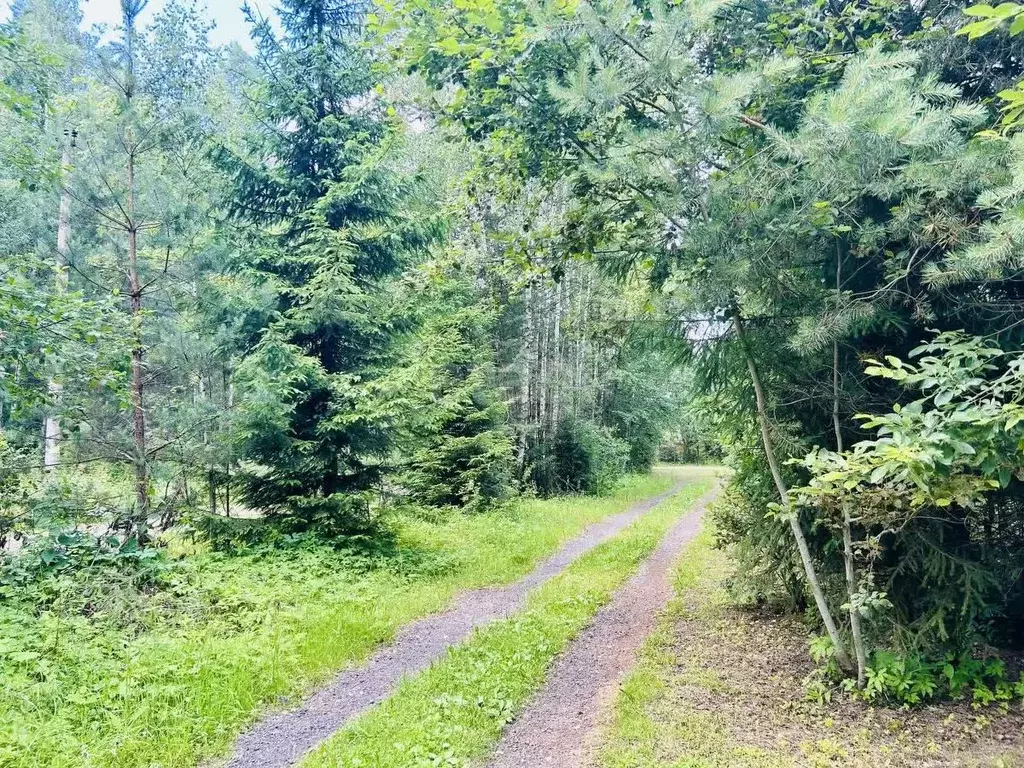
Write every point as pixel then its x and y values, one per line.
pixel 452 713
pixel 116 677
pixel 721 687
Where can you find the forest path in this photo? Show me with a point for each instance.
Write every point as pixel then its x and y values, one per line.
pixel 558 725
pixel 282 738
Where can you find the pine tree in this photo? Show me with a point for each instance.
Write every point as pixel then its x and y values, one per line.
pixel 324 232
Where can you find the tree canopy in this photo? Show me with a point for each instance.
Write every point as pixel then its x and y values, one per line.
pixel 433 254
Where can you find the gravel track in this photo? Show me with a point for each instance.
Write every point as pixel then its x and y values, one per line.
pixel 557 726
pixel 282 738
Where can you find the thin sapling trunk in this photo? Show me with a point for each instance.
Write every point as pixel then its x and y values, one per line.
pixel 51 424
pixel 801 541
pixel 848 561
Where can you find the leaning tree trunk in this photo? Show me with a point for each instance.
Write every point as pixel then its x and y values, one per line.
pixel 801 541
pixel 51 424
pixel 848 561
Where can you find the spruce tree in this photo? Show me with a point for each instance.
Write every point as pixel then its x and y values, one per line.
pixel 323 231
pixel 460 447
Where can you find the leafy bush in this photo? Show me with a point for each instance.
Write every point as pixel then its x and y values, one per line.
pixel 79 574
pixel 769 570
pixel 936 498
pixel 910 679
pixel 13 491
pixel 336 517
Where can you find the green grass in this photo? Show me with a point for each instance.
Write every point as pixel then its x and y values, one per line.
pixel 455 711
pixel 717 686
pixel 119 678
pixel 648 728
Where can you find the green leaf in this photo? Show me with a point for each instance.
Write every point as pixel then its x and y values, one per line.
pixel 1007 10
pixel 978 28
pixel 981 9
pixel 449 46
pixel 23 656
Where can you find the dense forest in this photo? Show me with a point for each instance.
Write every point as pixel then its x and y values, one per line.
pixel 427 261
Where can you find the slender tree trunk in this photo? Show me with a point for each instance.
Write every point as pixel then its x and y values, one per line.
pixel 851 588
pixel 229 390
pixel 542 362
pixel 137 385
pixel 596 354
pixel 51 425
pixel 556 375
pixel 524 379
pixel 202 398
pixel 848 561
pixel 135 287
pixel 773 465
pixel 581 342
pixel 524 384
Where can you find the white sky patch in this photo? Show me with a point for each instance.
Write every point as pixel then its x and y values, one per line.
pixel 227 14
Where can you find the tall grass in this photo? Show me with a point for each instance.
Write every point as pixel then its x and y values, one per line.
pixel 169 678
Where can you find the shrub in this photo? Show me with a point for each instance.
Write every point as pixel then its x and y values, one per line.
pixel 582 457
pixel 769 570
pixel 340 515
pixel 911 679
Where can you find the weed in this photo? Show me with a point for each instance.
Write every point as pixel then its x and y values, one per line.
pixel 167 672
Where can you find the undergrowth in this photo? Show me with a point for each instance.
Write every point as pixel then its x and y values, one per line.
pixel 102 667
pixel 911 679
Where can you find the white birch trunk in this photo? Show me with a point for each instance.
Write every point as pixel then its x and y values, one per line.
pixel 51 424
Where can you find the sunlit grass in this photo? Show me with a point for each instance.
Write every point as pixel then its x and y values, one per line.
pixel 173 677
pixel 455 711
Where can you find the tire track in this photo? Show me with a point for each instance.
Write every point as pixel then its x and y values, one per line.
pixel 557 725
pixel 282 738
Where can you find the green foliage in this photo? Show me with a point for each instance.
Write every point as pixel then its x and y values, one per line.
pixel 168 669
pixel 462 454
pixel 929 470
pixel 89 567
pixel 769 567
pixel 815 172
pixel 325 217
pixel 643 399
pixel 581 458
pixel 910 680
pixel 989 19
